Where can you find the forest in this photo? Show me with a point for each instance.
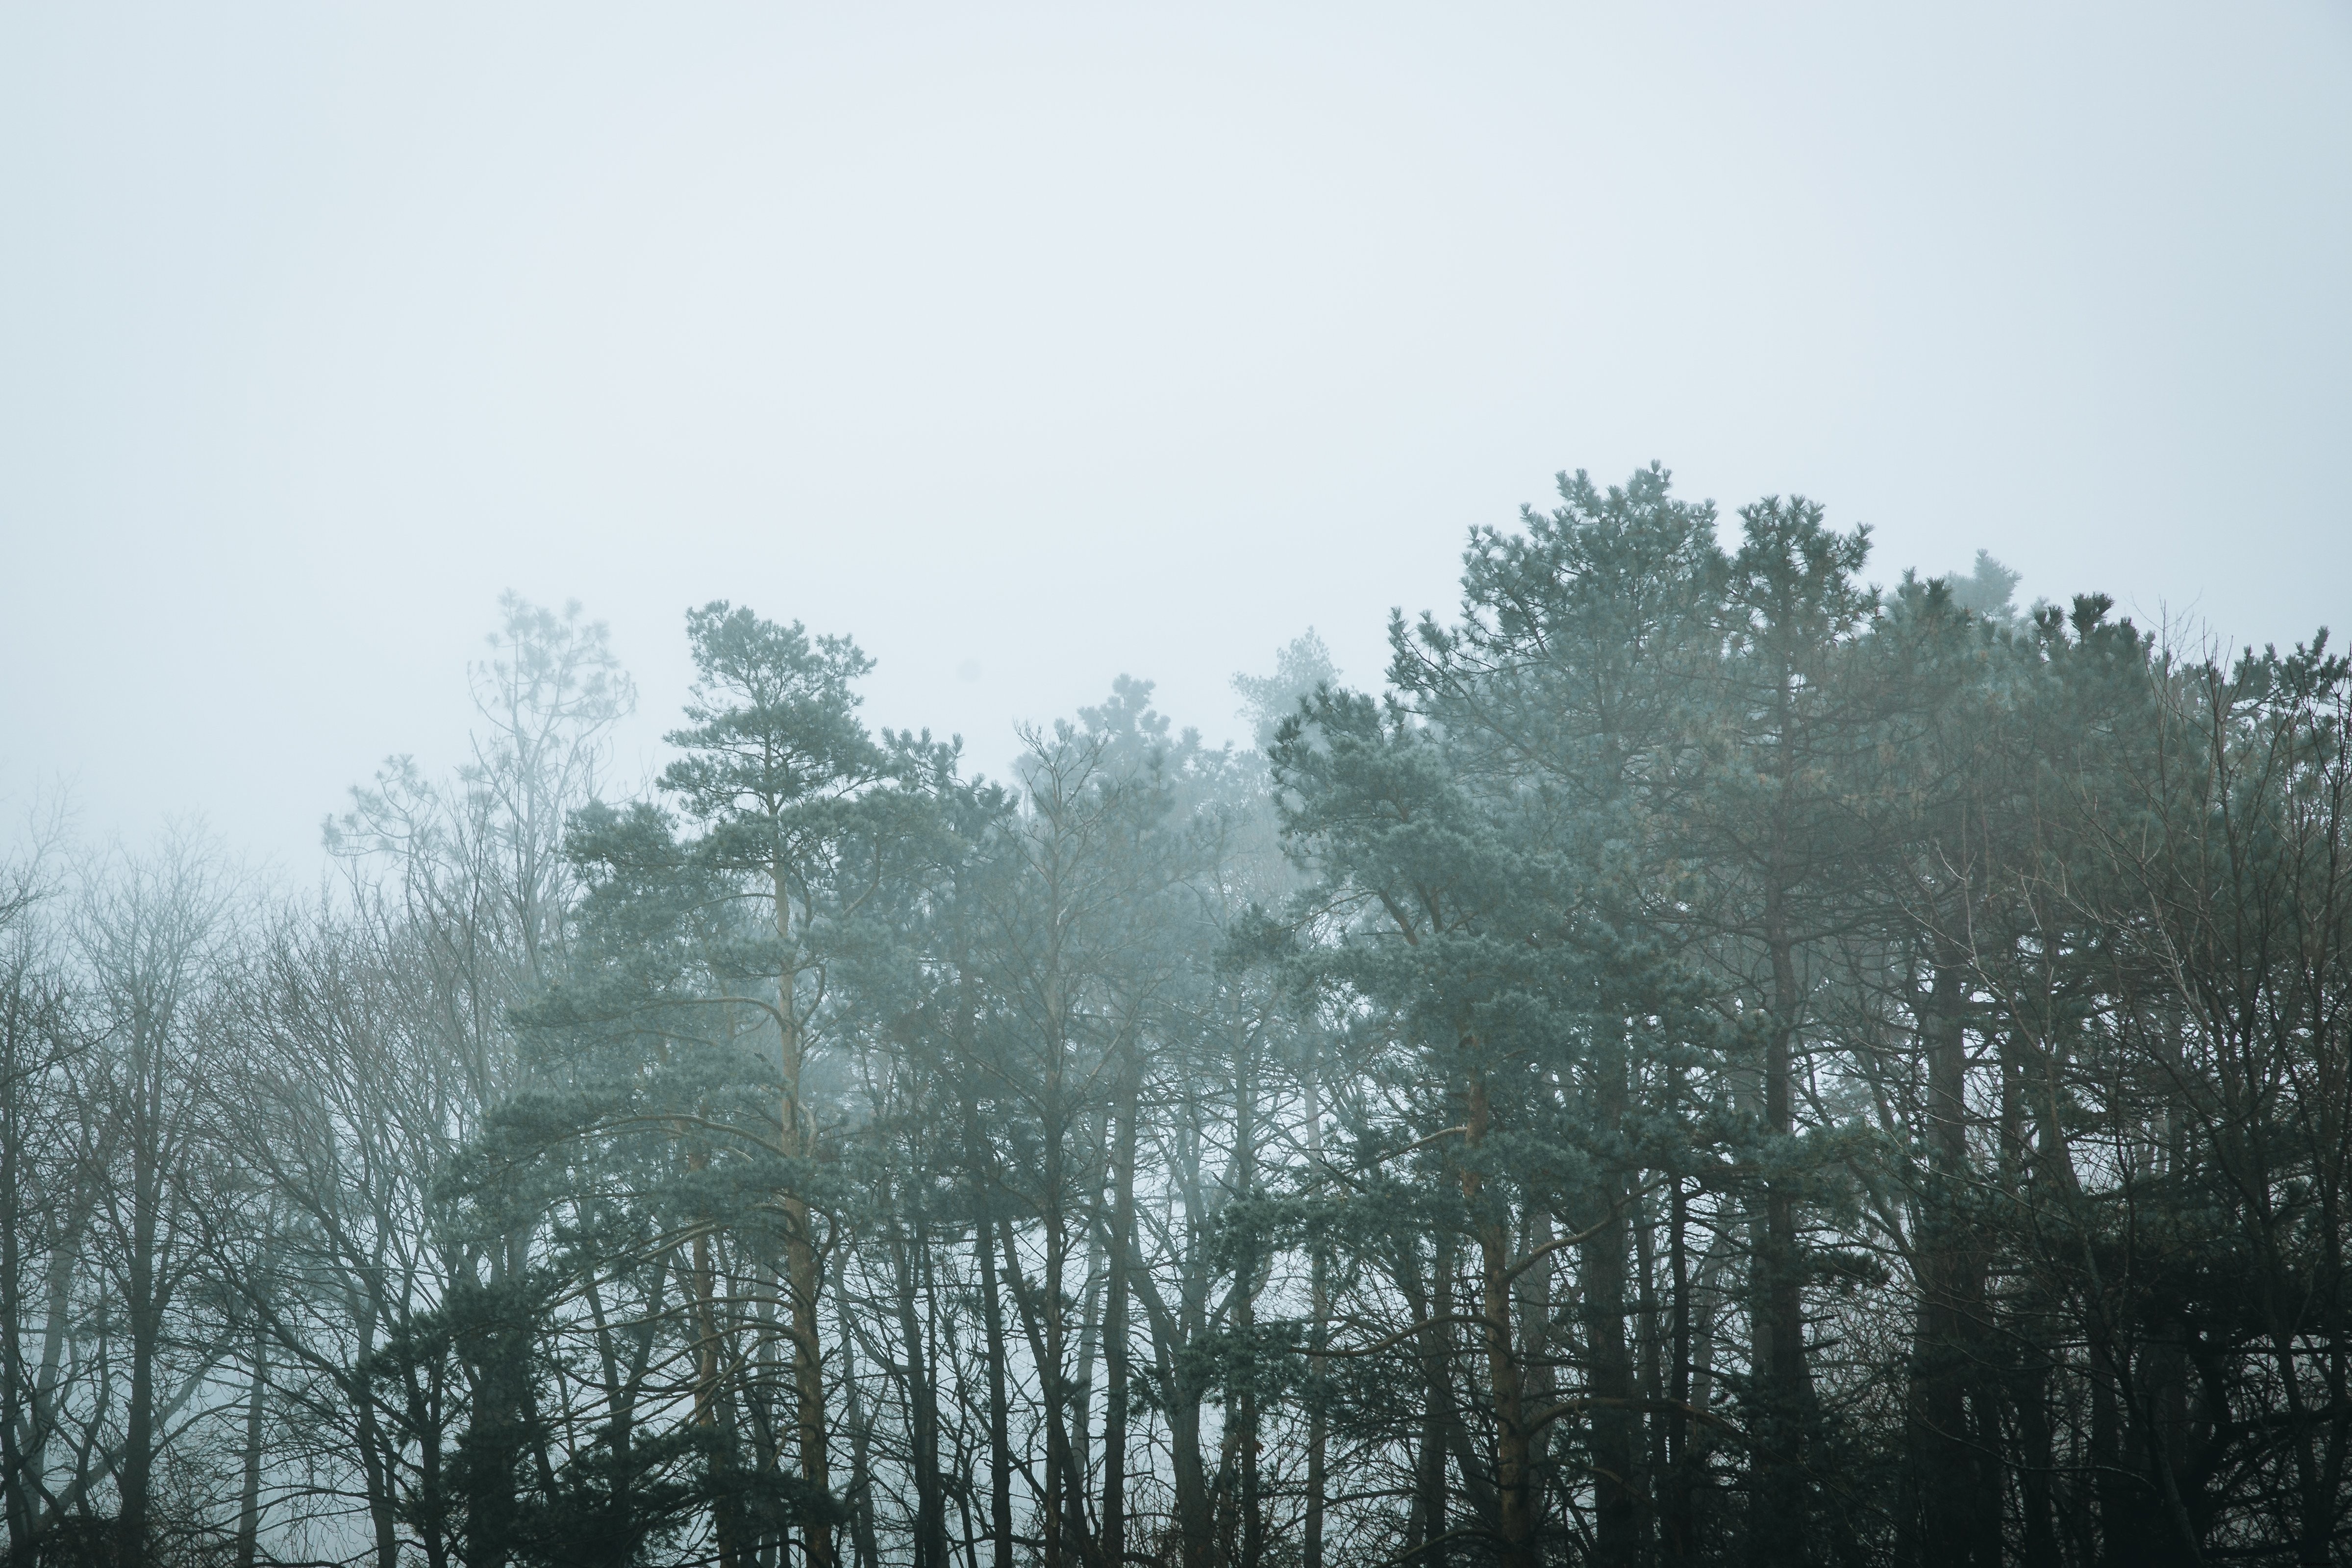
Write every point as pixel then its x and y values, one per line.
pixel 1708 1061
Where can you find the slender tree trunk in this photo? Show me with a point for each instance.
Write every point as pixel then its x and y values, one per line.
pixel 248 1503
pixel 867 1550
pixel 991 1297
pixel 1196 1524
pixel 489 1448
pixel 1617 1502
pixel 803 1286
pixel 999 1439
pixel 727 1522
pixel 1173 1336
pixel 1052 1380
pixel 766 1421
pixel 58 1326
pixel 1228 1491
pixel 17 1414
pixel 1780 1523
pixel 1082 1385
pixel 1318 1422
pixel 1115 1348
pixel 1955 1507
pixel 1039 1322
pixel 803 1281
pixel 2032 1366
pixel 376 1461
pixel 1678 1537
pixel 922 1401
pixel 1649 1368
pixel 1531 1293
pixel 427 1424
pixel 1426 1528
pixel 144 1310
pixel 1243 1410
pixel 1514 1464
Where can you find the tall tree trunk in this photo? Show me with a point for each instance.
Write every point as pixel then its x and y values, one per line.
pixel 377 1458
pixel 1081 1398
pixel 765 1421
pixel 1780 1520
pixel 1649 1367
pixel 491 1445
pixel 2037 1457
pixel 867 1550
pixel 726 1512
pixel 19 1423
pixel 922 1400
pixel 1318 1421
pixel 1115 1348
pixel 1514 1464
pixel 999 1439
pixel 803 1286
pixel 1955 1503
pixel 1053 1384
pixel 991 1297
pixel 1531 1293
pixel 1617 1505
pixel 1243 1410
pixel 248 1500
pixel 1426 1528
pixel 1047 1339
pixel 428 1428
pixel 1196 1523
pixel 144 1308
pixel 804 1280
pixel 1040 1321
pixel 1679 1532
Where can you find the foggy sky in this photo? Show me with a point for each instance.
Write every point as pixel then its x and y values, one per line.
pixel 1032 345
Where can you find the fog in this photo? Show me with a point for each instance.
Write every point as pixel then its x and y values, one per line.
pixel 1031 346
pixel 1801 1015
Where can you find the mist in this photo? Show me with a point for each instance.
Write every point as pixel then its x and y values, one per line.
pixel 1243 789
pixel 1040 345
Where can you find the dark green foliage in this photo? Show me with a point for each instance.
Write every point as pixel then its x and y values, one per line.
pixel 1715 1062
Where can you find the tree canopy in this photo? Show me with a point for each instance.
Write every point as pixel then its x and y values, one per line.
pixel 1713 1059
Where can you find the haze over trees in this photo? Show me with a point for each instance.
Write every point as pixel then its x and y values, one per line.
pixel 1708 1061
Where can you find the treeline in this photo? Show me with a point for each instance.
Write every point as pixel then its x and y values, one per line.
pixel 1712 1063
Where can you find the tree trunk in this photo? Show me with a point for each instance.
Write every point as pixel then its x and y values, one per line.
pixel 999 1439
pixel 922 1401
pixel 1115 1370
pixel 867 1550
pixel 144 1308
pixel 803 1278
pixel 1678 1535
pixel 1425 1530
pixel 1053 1386
pixel 17 1415
pixel 1779 1521
pixel 1318 1422
pixel 1514 1464
pixel 1955 1504
pixel 1617 1504
pixel 726 1513
pixel 248 1503
pixel 377 1461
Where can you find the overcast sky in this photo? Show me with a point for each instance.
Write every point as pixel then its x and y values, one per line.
pixel 1030 345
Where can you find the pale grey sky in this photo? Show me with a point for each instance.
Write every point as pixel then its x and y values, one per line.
pixel 1075 340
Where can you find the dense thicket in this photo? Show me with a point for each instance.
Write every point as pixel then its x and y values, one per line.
pixel 1712 1063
